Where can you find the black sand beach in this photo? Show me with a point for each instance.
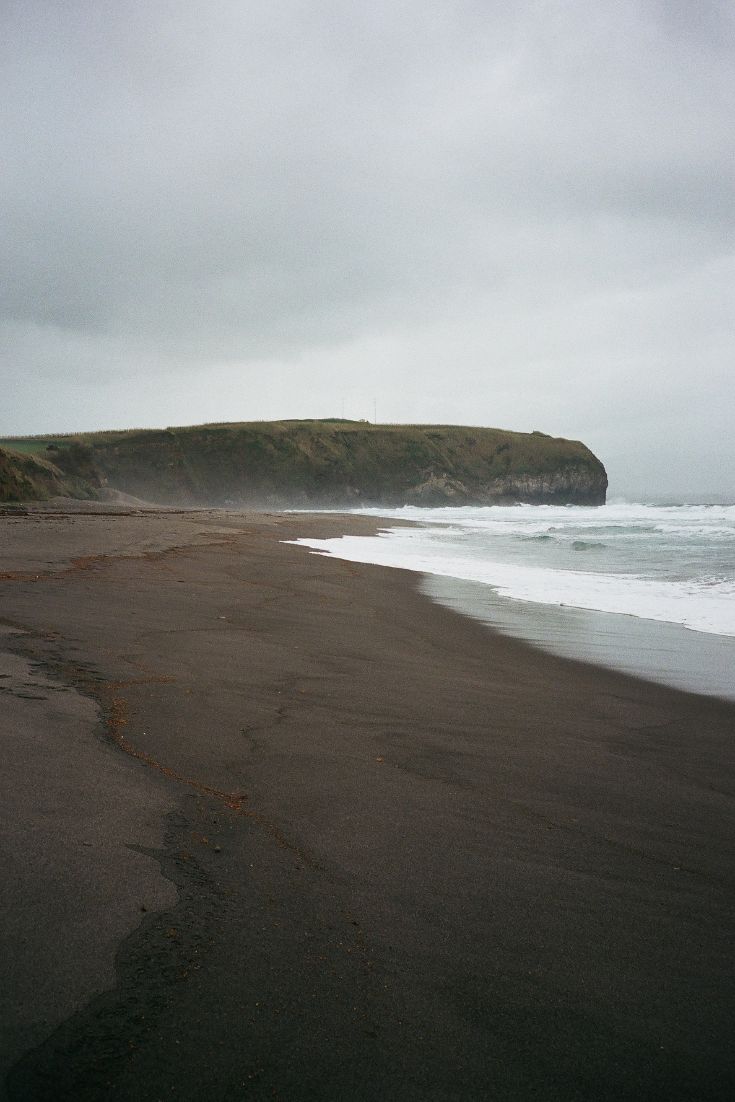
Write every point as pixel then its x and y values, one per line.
pixel 274 825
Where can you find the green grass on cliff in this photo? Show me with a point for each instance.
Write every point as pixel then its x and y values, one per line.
pixel 529 449
pixel 330 461
pixel 28 477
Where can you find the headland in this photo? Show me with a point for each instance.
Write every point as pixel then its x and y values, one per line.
pixel 305 464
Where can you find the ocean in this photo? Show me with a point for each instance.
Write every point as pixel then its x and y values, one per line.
pixel 646 588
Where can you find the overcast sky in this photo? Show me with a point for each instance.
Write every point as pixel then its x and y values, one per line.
pixel 513 214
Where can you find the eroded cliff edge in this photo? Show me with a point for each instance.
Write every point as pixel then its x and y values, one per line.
pixel 318 464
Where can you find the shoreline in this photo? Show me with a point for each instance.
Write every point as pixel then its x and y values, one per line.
pixel 670 652
pixel 654 651
pixel 413 857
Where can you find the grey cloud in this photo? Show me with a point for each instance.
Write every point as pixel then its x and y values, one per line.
pixel 192 188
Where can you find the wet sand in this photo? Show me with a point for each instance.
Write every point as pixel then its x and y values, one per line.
pixel 274 825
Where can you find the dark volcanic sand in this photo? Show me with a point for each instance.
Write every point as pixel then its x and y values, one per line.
pixel 273 825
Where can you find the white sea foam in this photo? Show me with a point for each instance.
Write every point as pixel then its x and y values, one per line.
pixel 666 563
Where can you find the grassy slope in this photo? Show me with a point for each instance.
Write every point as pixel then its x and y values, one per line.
pixel 28 477
pixel 328 462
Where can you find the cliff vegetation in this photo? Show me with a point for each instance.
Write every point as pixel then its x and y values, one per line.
pixel 26 475
pixel 307 464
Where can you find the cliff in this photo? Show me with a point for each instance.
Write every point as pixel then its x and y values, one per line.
pixel 335 464
pixel 31 477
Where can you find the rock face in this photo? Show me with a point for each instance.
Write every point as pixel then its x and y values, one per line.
pixel 335 464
